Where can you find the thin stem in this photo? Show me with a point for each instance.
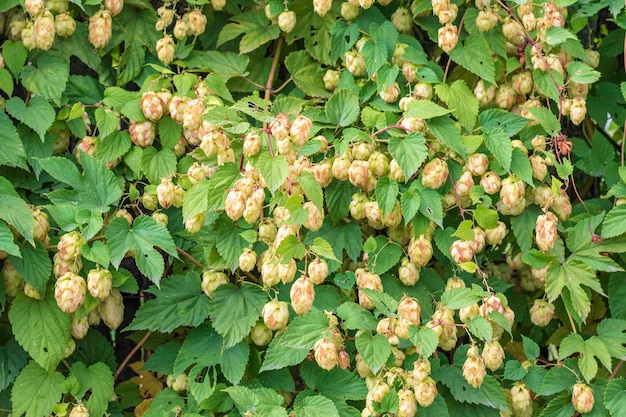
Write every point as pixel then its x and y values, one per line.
pixel 130 355
pixel 277 90
pixel 383 130
pixel 189 258
pixel 623 139
pixel 268 87
pixel 616 370
pixel 571 321
pixel 257 85
pixel 270 78
pixel 445 74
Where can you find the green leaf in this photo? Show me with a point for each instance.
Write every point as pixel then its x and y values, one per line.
pixel 244 308
pixel 582 73
pixel 386 194
pixel 292 346
pixel 290 248
pixel 520 166
pixel 410 202
pixel 162 359
pixel 259 400
pixel 338 383
pixel 254 26
pixel 496 118
pixel 48 78
pixel 14 54
pixel 312 189
pixel 547 119
pixel 11 148
pixel 375 350
pixel 143 236
pixel 465 230
pixel 274 170
pixel 117 97
pixel 425 109
pixel 107 121
pixel 16 212
pixel 524 225
pixel 430 205
pixel 343 236
pixel 559 406
pixel 7 243
pixel 383 302
pixel 113 146
pixel 531 348
pixel 179 302
pixel 588 349
pixel 6 81
pixel 379 49
pixel 219 183
pixel 614 223
pixel 92 349
pixel 572 275
pixel 475 56
pixel 342 108
pixel 556 35
pixel 611 332
pixel 356 317
pixel 98 380
pixel 448 133
pixel 615 396
pixel 36 391
pixel 40 328
pixel 498 142
pixel 425 339
pixel 387 255
pixel 38 115
pixel 202 346
pixel 410 152
pixel 196 199
pixel 490 393
pixel 307 74
pixel 322 248
pixel 338 196
pixel 34 266
pixel 234 361
pixel 461 101
pixel 158 164
pixel 545 82
pixel 12 360
pixel 617 293
pixel 169 132
pixel 456 298
pixel 485 217
pixel 556 380
pixel 229 243
pixel 513 370
pixel 480 328
pixel 311 406
pixel 342 38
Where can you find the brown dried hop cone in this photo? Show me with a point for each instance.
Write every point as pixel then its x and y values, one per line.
pixel 69 292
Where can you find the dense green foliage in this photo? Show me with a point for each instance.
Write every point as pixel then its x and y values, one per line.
pixel 312 208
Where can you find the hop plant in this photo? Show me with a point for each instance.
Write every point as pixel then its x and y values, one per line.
pixel 100 28
pixel 69 292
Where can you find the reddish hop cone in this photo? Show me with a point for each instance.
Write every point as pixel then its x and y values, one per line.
pixel 582 398
pixel 100 28
pixel 302 295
